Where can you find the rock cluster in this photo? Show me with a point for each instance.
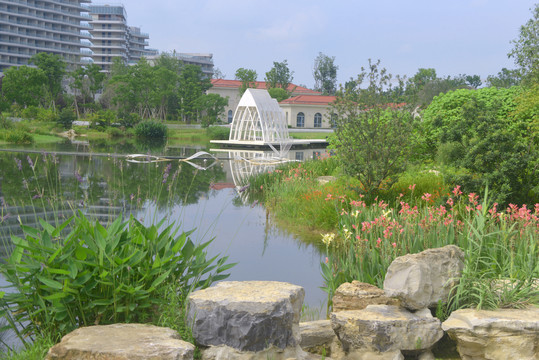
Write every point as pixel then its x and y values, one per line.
pixel 260 320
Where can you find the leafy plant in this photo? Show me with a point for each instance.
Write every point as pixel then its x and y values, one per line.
pixel 80 273
pixel 151 129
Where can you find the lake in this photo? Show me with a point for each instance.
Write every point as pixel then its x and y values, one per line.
pixel 95 178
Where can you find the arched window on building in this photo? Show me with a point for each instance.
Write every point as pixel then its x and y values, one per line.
pixel 230 116
pixel 300 120
pixel 333 120
pixel 317 120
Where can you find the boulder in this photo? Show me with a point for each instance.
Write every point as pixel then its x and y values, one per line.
pixel 317 336
pixel 247 316
pixel 357 295
pixel 385 329
pixel 122 342
pixel 507 334
pixel 422 280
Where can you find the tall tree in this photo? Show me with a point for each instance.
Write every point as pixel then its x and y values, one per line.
pixel 279 76
pixel 54 68
pixel 247 78
pixel 212 107
pixel 325 74
pixel 526 48
pixel 192 85
pixel 25 86
pixel 372 140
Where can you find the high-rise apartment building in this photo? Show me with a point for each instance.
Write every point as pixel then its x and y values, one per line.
pixel 28 27
pixel 113 38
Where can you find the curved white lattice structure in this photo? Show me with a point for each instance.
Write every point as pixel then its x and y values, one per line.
pixel 259 119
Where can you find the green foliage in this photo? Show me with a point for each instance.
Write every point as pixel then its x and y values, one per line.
pixel 525 48
pixel 372 140
pixel 213 106
pixel 505 79
pixel 151 129
pixel 279 76
pixel 481 132
pixel 24 85
pixel 279 94
pixel 247 78
pixel 325 74
pixel 66 118
pixel 54 68
pixel 80 273
pixel 17 135
pixel 102 119
pixel 128 120
pixel 114 132
pixel 218 132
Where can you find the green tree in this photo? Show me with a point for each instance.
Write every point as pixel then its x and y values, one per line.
pixel 325 74
pixel 279 76
pixel 192 85
pixel 86 81
pixel 212 107
pixel 54 68
pixel 372 139
pixel 25 86
pixel 504 79
pixel 526 48
pixel 474 81
pixel 247 77
pixel 279 94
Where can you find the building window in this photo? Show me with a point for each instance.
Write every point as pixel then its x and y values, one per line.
pixel 317 120
pixel 333 120
pixel 230 116
pixel 299 155
pixel 300 120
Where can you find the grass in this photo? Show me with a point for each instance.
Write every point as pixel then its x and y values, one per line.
pixel 309 135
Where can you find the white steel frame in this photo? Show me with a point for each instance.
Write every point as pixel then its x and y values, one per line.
pixel 258 118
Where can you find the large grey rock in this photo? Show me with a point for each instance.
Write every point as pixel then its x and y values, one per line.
pixel 357 295
pixel 122 342
pixel 508 334
pixel 247 316
pixel 316 333
pixel 421 280
pixel 385 329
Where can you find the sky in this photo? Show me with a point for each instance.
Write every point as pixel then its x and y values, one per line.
pixel 454 37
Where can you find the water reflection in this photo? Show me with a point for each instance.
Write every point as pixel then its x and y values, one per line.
pixel 48 186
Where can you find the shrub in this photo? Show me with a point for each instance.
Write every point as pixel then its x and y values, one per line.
pixel 46 115
pixel 30 113
pixel 151 129
pixel 218 132
pixel 18 136
pixel 128 120
pixel 66 118
pixel 114 132
pixel 102 119
pixel 96 275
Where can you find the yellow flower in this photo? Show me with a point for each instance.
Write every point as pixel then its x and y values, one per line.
pixel 327 238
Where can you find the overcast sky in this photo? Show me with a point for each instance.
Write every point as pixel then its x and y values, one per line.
pixel 452 36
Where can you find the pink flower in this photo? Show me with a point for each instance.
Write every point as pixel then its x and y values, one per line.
pixel 327 260
pixel 411 187
pixel 426 196
pixel 472 197
pixel 456 191
pixel 394 245
pixel 450 201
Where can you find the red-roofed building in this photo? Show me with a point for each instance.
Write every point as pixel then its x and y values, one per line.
pixel 230 89
pixel 308 111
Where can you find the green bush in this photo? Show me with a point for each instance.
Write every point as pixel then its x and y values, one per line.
pixel 128 120
pixel 18 136
pixel 90 274
pixel 66 118
pixel 102 119
pixel 151 129
pixel 114 132
pixel 46 115
pixel 30 113
pixel 218 132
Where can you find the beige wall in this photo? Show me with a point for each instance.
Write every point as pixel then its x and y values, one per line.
pixel 291 113
pixel 233 99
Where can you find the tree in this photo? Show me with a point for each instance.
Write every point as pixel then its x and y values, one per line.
pixel 279 94
pixel 504 79
pixel 25 86
pixel 325 74
pixel 474 81
pixel 526 48
pixel 247 78
pixel 372 139
pixel 279 76
pixel 212 106
pixel 192 85
pixel 86 82
pixel 54 68
pixel 217 74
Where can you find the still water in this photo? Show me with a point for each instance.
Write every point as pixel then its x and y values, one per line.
pixel 50 181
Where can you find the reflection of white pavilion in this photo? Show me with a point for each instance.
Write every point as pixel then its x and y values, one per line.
pixel 260 121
